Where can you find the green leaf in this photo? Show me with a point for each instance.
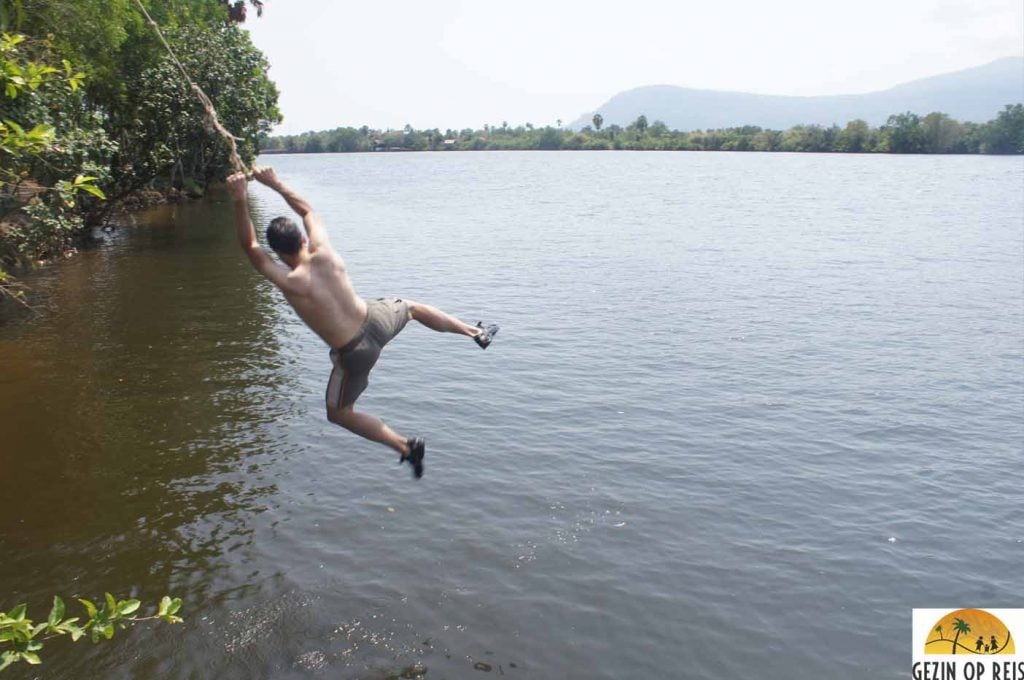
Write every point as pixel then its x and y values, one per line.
pixel 127 606
pixel 18 630
pixel 31 657
pixel 111 602
pixel 57 613
pixel 38 629
pixel 20 131
pixel 68 626
pixel 98 193
pixel 42 132
pixel 108 631
pixel 34 646
pixel 84 179
pixel 89 607
pixel 67 67
pixel 168 608
pixel 18 613
pixel 7 658
pixel 11 40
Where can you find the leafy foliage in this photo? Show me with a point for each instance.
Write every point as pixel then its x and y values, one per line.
pixel 53 153
pixel 1006 133
pixel 21 639
pixel 174 142
pixel 91 106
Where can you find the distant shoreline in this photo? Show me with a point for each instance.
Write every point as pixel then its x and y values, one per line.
pixel 903 133
pixel 281 152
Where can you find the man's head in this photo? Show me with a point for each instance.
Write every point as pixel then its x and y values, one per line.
pixel 285 237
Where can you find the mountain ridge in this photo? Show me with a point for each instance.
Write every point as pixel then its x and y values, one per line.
pixel 973 94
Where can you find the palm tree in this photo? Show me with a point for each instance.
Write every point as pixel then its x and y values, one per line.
pixel 960 626
pixel 938 629
pixel 598 121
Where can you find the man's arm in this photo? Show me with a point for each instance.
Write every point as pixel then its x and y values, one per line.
pixel 310 220
pixel 259 258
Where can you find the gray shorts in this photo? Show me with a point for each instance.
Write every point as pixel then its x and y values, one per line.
pixel 385 318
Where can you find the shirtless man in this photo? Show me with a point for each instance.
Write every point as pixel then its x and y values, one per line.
pixel 315 283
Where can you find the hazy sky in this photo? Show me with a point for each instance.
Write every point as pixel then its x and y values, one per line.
pixel 463 63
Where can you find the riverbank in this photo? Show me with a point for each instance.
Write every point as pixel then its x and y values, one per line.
pixel 129 211
pixel 18 221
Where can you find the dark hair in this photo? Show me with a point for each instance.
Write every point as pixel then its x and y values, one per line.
pixel 284 236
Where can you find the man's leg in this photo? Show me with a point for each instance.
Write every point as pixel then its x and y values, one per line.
pixel 435 319
pixel 367 426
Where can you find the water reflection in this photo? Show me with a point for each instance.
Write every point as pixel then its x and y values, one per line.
pixel 135 418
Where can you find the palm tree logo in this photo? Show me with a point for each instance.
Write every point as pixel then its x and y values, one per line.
pixel 960 626
pixel 964 622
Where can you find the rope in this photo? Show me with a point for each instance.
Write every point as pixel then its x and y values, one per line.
pixel 211 112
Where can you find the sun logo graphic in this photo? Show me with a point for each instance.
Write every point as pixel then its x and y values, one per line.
pixel 969 631
pixel 967 644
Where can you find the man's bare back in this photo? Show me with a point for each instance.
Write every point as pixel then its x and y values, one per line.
pixel 322 295
pixel 314 280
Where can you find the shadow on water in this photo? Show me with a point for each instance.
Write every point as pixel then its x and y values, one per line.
pixel 133 435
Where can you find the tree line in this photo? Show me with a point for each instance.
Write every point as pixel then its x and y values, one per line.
pixel 935 133
pixel 93 110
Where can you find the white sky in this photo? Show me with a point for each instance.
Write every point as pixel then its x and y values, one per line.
pixel 464 63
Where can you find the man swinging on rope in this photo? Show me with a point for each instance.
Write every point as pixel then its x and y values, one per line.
pixel 317 286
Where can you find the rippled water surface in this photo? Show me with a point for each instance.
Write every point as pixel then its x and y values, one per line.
pixel 744 413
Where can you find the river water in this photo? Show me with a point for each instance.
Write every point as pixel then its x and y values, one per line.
pixel 744 413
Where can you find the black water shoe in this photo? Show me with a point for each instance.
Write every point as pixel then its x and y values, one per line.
pixel 417 449
pixel 486 335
